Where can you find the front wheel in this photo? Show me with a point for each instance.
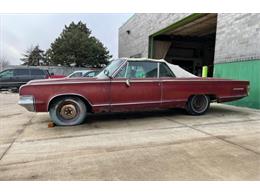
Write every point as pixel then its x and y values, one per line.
pixel 68 111
pixel 198 104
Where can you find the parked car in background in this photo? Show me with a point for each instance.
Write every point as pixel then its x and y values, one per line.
pixel 83 73
pixel 78 73
pixel 128 85
pixel 91 73
pixel 56 76
pixel 14 78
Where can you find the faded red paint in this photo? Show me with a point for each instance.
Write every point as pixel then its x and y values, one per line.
pixel 110 95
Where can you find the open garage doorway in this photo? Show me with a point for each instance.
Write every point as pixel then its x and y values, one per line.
pixel 189 44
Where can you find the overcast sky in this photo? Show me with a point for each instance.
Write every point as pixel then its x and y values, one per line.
pixel 19 32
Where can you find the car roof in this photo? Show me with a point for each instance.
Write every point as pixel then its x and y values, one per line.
pixel 23 68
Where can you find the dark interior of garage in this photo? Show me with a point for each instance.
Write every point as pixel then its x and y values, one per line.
pixel 190 46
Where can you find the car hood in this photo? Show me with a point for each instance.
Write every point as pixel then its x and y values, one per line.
pixel 61 80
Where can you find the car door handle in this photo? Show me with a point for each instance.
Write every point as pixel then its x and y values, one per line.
pixel 127 82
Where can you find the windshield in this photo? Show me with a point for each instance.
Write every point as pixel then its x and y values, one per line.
pixel 112 67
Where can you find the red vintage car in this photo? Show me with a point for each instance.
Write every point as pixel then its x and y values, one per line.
pixel 128 85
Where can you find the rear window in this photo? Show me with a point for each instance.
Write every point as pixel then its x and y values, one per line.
pixel 37 72
pixel 21 72
pixel 165 71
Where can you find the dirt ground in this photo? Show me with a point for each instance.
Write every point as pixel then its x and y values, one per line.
pixel 224 144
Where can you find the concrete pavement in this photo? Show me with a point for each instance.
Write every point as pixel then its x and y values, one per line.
pixel 224 144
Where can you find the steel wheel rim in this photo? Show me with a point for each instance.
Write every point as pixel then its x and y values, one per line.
pixel 68 110
pixel 199 103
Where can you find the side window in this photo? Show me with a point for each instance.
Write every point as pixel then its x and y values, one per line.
pixel 89 74
pixel 165 71
pixel 21 72
pixel 37 72
pixel 7 74
pixel 142 69
pixel 138 69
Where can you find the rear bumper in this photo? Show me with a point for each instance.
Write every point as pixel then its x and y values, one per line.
pixel 27 102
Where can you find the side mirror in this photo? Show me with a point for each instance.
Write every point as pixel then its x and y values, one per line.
pixel 106 72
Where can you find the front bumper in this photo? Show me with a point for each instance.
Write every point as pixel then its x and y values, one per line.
pixel 27 102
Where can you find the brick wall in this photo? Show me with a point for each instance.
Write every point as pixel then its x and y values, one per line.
pixel 238 37
pixel 141 26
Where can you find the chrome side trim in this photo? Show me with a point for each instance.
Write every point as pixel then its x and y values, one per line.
pixel 138 103
pixel 70 83
pixel 135 81
pixel 27 102
pixel 239 89
pixel 107 81
pixel 176 100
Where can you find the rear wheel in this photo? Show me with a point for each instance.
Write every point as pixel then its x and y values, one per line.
pixel 198 104
pixel 68 111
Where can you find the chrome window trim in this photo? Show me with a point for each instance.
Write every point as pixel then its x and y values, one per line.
pixel 122 66
pixel 118 69
pixel 158 70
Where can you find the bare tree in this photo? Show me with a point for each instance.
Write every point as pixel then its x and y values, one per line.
pixel 3 63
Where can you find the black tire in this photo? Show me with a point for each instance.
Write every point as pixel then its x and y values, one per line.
pixel 15 90
pixel 198 104
pixel 68 111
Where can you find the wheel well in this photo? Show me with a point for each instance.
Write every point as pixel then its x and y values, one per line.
pixel 212 97
pixel 89 107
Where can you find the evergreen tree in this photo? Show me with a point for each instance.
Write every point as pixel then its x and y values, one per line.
pixel 76 46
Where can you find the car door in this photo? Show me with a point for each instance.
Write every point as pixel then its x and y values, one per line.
pixel 6 79
pixel 171 90
pixel 136 86
pixel 21 76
